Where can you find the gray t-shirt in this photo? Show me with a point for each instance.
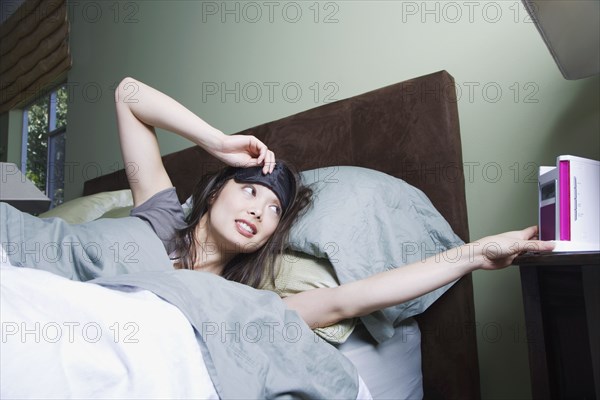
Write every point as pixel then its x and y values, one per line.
pixel 164 214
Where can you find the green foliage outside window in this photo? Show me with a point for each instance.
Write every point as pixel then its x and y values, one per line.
pixel 37 143
pixel 39 169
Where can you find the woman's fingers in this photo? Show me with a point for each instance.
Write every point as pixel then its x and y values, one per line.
pixel 530 233
pixel 265 156
pixel 530 242
pixel 269 162
pixel 538 246
pixel 260 148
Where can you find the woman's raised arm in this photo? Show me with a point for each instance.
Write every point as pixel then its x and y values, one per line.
pixel 326 306
pixel 141 108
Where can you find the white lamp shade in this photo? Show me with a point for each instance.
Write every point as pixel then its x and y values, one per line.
pixel 20 192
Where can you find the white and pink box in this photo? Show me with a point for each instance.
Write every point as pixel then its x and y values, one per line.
pixel 569 204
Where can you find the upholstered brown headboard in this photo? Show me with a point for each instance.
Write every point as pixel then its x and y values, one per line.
pixel 409 130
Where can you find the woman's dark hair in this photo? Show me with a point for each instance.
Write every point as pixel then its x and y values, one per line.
pixel 248 268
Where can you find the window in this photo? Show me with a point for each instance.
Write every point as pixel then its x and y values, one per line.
pixel 44 142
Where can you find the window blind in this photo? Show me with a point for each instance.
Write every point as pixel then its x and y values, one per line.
pixel 34 51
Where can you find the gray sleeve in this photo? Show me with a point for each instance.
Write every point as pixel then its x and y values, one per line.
pixel 101 248
pixel 164 214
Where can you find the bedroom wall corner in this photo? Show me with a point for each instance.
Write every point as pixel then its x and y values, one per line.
pixel 11 125
pixel 3 137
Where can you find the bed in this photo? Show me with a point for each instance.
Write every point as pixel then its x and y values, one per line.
pixel 410 131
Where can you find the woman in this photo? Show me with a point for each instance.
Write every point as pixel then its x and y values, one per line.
pixel 241 216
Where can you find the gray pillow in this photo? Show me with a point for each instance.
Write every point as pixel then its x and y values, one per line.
pixel 365 221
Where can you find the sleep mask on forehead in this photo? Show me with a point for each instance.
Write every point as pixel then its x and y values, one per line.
pixel 281 181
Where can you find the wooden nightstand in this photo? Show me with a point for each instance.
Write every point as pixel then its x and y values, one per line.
pixel 561 296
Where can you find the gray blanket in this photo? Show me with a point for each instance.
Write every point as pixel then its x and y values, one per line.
pixel 253 346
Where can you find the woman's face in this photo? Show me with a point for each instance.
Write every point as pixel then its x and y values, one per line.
pixel 244 216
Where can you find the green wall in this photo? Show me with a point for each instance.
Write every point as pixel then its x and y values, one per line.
pixel 11 125
pixel 516 110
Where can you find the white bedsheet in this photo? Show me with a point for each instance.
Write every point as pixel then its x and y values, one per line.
pixel 392 369
pixel 67 339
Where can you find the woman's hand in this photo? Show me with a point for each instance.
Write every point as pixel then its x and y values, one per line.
pixel 244 151
pixel 499 251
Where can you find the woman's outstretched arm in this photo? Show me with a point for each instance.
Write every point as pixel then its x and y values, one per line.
pixel 141 108
pixel 326 306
